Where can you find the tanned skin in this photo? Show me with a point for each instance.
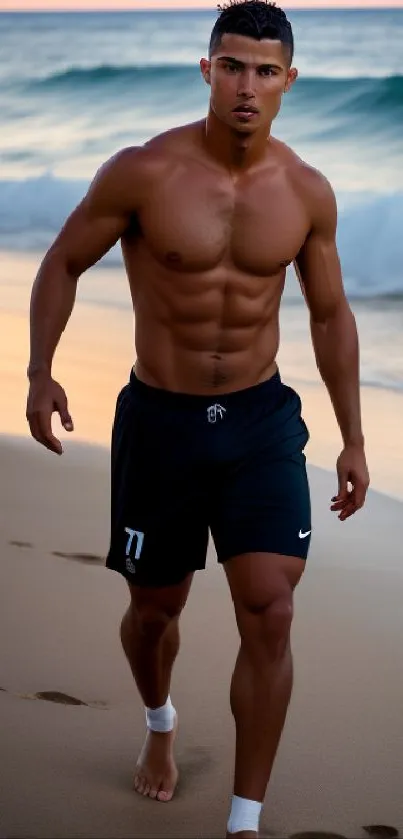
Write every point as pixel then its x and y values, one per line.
pixel 209 216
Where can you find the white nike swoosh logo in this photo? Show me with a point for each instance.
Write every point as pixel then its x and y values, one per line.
pixel 303 535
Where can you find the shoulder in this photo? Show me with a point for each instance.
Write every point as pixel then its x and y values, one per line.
pixel 123 179
pixel 115 177
pixel 173 147
pixel 148 162
pixel 181 137
pixel 312 187
pixel 316 189
pixel 123 166
pixel 163 148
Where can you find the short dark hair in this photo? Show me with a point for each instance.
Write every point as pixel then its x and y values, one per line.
pixel 256 19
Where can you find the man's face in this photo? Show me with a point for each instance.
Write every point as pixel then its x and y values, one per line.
pixel 248 79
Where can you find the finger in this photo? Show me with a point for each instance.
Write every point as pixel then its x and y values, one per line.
pixel 356 500
pixel 46 437
pixel 339 502
pixel 348 512
pixel 360 491
pixel 65 416
pixel 33 425
pixel 35 429
pixel 345 512
pixel 340 505
pixel 343 486
pixel 347 516
pixel 38 433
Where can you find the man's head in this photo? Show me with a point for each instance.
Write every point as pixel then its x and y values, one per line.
pixel 249 65
pixel 255 19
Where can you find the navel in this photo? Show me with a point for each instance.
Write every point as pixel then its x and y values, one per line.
pixel 219 378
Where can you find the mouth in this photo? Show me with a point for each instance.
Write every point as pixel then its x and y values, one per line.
pixel 246 111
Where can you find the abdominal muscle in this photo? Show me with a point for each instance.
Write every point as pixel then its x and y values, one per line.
pixel 205 333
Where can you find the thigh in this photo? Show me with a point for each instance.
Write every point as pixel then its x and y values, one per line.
pixel 264 505
pixel 262 586
pixel 159 533
pixel 257 580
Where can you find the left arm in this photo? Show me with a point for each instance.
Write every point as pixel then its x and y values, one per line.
pixel 335 340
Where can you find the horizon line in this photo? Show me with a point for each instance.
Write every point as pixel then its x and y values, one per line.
pixel 331 7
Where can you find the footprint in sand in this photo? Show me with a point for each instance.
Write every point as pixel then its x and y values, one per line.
pixel 21 544
pixel 91 559
pixel 59 698
pixel 318 834
pixel 63 699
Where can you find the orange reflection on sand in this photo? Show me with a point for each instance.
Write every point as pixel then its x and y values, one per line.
pixel 92 362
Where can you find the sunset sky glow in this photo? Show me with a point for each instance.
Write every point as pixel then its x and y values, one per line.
pixel 93 5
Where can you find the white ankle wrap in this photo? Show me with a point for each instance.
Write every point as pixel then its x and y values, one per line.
pixel 161 719
pixel 244 815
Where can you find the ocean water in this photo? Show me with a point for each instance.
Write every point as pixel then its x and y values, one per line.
pixel 76 87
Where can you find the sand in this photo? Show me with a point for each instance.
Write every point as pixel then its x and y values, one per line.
pixel 66 769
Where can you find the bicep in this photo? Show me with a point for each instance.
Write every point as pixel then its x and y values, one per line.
pixel 318 264
pixel 96 224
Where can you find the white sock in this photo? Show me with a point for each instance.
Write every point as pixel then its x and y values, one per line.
pixel 244 815
pixel 161 719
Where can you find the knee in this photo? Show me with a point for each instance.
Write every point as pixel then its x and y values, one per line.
pixel 278 619
pixel 148 622
pixel 266 630
pixel 153 623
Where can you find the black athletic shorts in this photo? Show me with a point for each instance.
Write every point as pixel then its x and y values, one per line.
pixel 184 465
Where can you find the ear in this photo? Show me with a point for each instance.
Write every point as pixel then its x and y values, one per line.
pixel 291 78
pixel 205 67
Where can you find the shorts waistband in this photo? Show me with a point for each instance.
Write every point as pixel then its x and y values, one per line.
pixel 267 391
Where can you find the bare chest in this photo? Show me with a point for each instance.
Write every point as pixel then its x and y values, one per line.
pixel 195 224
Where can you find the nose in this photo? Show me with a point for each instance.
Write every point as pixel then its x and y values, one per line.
pixel 246 87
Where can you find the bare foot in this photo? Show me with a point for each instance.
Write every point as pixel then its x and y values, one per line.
pixel 156 773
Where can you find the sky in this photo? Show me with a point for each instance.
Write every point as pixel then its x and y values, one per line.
pixel 33 5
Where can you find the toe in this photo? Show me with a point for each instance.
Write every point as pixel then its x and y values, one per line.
pixel 153 793
pixel 163 795
pixel 146 789
pixel 140 785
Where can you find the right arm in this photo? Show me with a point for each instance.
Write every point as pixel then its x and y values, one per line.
pixel 94 227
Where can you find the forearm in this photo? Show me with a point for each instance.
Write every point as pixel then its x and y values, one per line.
pixel 336 347
pixel 52 301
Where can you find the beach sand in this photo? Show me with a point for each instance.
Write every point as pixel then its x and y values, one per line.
pixel 66 769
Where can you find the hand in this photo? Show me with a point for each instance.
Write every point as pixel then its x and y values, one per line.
pixel 351 468
pixel 45 397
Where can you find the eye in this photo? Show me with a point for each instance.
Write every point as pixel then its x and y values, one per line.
pixel 266 72
pixel 231 68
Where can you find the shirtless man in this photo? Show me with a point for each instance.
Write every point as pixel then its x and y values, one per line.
pixel 206 435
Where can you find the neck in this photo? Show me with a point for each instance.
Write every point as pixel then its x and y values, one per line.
pixel 234 149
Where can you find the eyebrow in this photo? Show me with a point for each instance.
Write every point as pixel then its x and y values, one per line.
pixel 240 64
